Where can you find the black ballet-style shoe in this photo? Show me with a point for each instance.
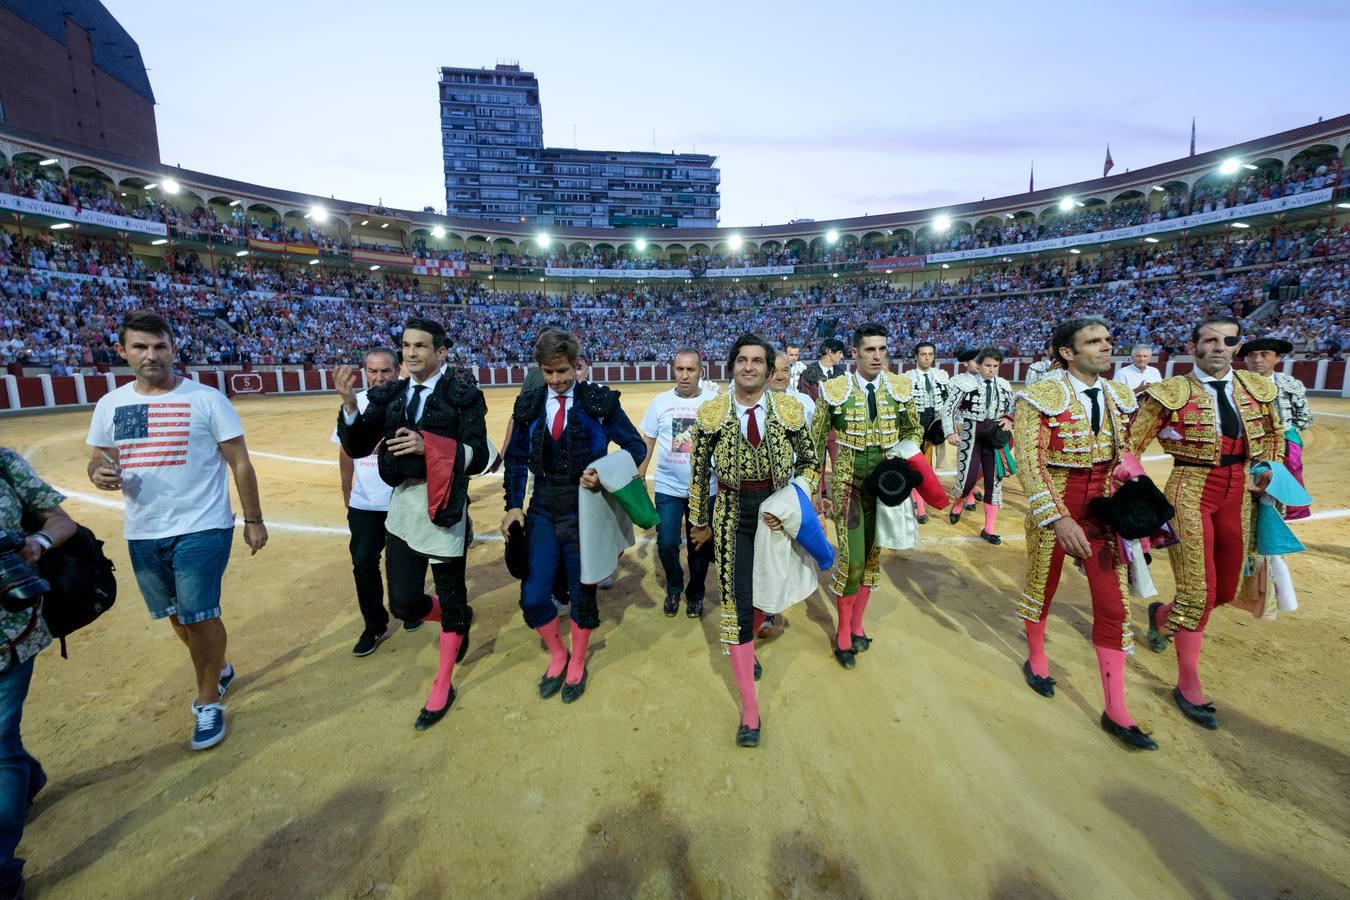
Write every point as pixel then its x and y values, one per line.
pixel 861 643
pixel 955 515
pixel 550 686
pixel 970 506
pixel 845 657
pixel 1157 641
pixel 759 670
pixel 573 692
pixel 426 718
pixel 1041 684
pixel 747 736
pixel 979 498
pixel 1202 714
pixel 464 644
pixel 922 520
pixel 1133 737
pixel 990 538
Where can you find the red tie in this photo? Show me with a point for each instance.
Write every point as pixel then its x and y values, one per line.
pixel 560 420
pixel 752 427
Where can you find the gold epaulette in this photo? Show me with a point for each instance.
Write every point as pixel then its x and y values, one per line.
pixel 712 412
pixel 1049 395
pixel 1126 401
pixel 1172 392
pixel 900 386
pixel 836 390
pixel 1262 389
pixel 790 411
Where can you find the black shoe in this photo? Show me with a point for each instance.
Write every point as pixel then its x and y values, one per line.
pixel 672 606
pixel 415 625
pixel 369 641
pixel 979 498
pixel 861 643
pixel 571 692
pixel 550 686
pixel 922 520
pixel 954 516
pixel 1133 736
pixel 1041 684
pixel 759 670
pixel 694 609
pixel 426 718
pixel 464 644
pixel 1157 641
pixel 1200 713
pixel 747 736
pixel 970 506
pixel 845 658
pixel 991 538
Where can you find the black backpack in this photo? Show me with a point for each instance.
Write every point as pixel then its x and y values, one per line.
pixel 83 584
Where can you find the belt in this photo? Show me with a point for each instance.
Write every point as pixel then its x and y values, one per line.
pixel 765 485
pixel 1224 462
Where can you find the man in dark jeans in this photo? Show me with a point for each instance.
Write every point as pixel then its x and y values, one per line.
pixel 366 497
pixel 23 497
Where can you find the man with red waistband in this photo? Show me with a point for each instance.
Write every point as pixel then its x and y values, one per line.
pixel 1071 427
pixel 1212 422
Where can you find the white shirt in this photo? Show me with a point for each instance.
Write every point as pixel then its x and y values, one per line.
pixel 807 404
pixel 669 421
pixel 1136 378
pixel 794 374
pixel 413 415
pixel 1227 380
pixel 174 477
pixel 1082 391
pixel 745 419
pixel 369 490
pixel 551 406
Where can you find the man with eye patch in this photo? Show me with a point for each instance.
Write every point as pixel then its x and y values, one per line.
pixel 1213 422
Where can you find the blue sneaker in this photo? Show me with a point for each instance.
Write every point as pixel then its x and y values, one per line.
pixel 210 728
pixel 225 678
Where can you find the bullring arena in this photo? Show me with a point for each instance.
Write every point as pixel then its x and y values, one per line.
pixel 929 770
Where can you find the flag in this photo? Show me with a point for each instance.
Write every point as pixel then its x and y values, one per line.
pixel 1031 185
pixel 1106 167
pixel 1192 135
pixel 152 435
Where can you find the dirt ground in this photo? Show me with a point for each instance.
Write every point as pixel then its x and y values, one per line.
pixel 928 771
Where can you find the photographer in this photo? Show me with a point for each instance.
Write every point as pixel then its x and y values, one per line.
pixel 23 497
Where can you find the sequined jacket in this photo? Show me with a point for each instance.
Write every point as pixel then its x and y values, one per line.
pixel 930 388
pixel 717 444
pixel 1292 401
pixel 1053 430
pixel 843 410
pixel 1179 412
pixel 965 400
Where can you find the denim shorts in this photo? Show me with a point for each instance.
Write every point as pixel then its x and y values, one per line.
pixel 181 575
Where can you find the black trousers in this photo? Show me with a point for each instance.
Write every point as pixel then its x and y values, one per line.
pixel 366 545
pixel 407 586
pixel 747 525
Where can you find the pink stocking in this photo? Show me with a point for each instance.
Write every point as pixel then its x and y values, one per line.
pixel 920 508
pixel 1111 664
pixel 435 614
pixel 743 667
pixel 844 638
pixel 581 637
pixel 1036 648
pixel 1188 664
pixel 552 635
pixel 990 517
pixel 859 607
pixel 440 687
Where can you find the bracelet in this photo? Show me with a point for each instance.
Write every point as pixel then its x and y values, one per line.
pixel 44 539
pixel 253 521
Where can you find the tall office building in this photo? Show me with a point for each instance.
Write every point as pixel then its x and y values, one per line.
pixel 497 167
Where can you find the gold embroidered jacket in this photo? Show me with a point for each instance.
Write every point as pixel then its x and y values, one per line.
pixel 1179 412
pixel 845 412
pixel 786 449
pixel 1052 430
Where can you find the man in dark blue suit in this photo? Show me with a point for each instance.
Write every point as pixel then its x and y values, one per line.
pixel 558 431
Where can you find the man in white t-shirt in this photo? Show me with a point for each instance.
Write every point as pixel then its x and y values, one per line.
pixel 1139 374
pixel 667 428
pixel 795 367
pixel 366 497
pixel 166 443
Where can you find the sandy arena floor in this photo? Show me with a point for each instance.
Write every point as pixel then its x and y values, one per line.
pixel 928 771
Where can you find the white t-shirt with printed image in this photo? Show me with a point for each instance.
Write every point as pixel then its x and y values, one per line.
pixel 174 477
pixel 369 490
pixel 670 421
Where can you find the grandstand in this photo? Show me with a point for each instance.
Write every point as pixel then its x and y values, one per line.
pixel 258 276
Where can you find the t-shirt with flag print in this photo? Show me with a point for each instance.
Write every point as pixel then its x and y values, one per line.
pixel 174 477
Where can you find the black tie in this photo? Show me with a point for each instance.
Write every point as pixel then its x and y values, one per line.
pixel 1096 409
pixel 871 401
pixel 1228 418
pixel 989 399
pixel 928 386
pixel 410 414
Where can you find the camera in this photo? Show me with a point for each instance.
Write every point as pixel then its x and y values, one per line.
pixel 21 587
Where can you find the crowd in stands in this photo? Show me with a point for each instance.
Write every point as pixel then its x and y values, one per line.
pixel 53 313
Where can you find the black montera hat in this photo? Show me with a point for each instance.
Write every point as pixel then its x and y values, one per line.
pixel 1136 510
pixel 891 481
